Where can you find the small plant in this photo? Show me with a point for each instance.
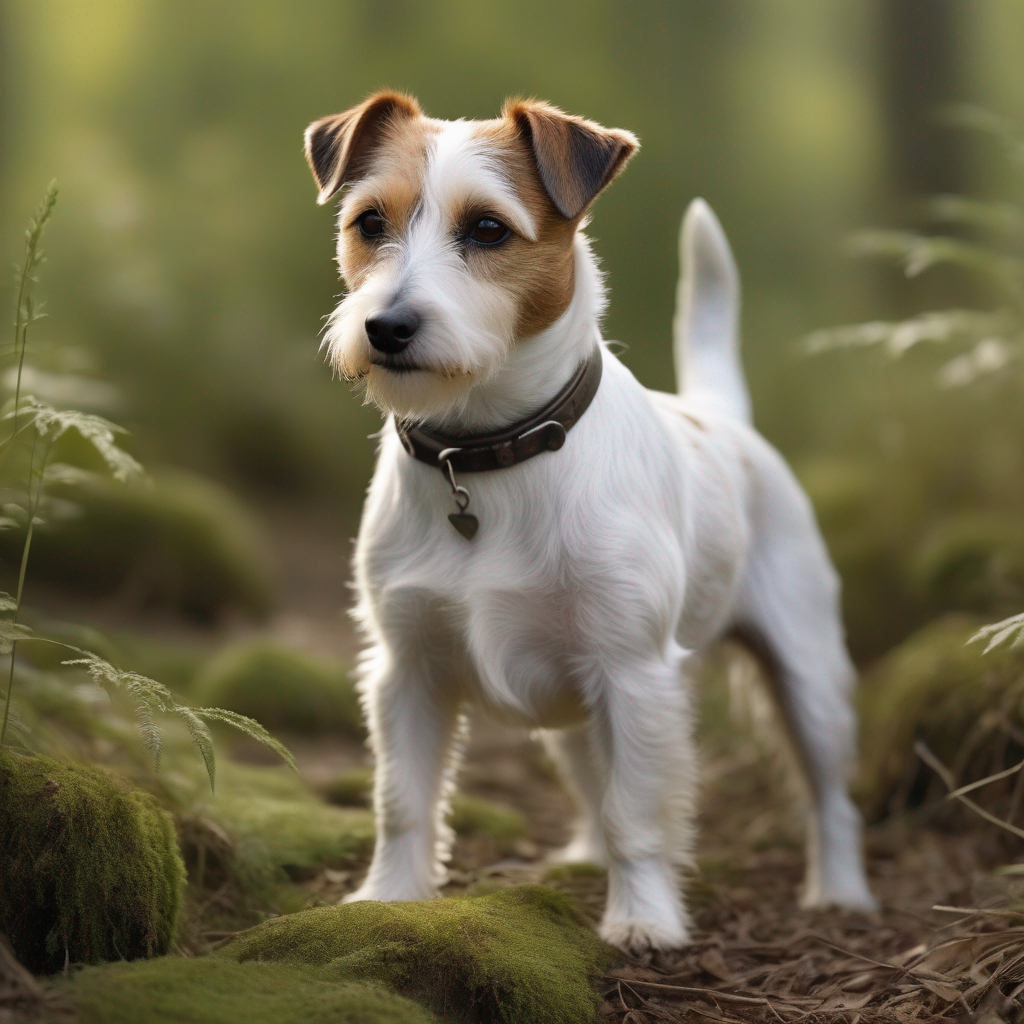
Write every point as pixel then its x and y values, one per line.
pixel 26 470
pixel 988 341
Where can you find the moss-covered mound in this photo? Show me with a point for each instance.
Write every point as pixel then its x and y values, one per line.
pixel 274 826
pixel 185 541
pixel 967 706
pixel 89 868
pixel 518 956
pixel 470 815
pixel 282 689
pixel 972 562
pixel 173 990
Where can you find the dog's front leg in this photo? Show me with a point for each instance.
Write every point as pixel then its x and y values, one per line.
pixel 415 732
pixel 648 806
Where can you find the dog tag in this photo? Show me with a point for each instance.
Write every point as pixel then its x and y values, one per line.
pixel 466 523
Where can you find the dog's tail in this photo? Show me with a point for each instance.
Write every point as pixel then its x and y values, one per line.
pixel 706 325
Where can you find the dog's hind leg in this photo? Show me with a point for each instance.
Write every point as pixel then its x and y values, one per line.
pixel 573 751
pixel 788 612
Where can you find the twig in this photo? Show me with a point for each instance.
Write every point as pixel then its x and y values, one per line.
pixel 922 751
pixel 977 910
pixel 710 993
pixel 984 782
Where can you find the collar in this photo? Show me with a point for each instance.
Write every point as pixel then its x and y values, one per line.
pixel 544 431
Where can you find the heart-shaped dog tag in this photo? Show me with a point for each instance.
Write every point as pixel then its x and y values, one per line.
pixel 466 523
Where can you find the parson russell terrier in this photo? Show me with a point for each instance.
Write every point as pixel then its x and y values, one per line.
pixel 544 537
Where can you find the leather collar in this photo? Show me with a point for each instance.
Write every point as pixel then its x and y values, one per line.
pixel 544 431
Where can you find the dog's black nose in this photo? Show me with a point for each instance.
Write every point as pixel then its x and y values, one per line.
pixel 392 330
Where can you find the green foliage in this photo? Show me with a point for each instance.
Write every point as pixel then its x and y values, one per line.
pixel 947 471
pixel 181 540
pixel 967 709
pixel 472 816
pixel 973 561
pixel 207 991
pixel 89 868
pixel 46 425
pixel 353 788
pixel 284 688
pixel 268 826
pixel 517 956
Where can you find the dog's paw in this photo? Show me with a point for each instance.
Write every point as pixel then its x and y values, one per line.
pixel 581 850
pixel 853 894
pixel 638 937
pixel 381 894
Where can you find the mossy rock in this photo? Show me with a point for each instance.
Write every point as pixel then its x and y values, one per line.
pixel 470 815
pixel 972 562
pixel 276 828
pixel 173 990
pixel 963 704
pixel 518 956
pixel 282 689
pixel 183 541
pixel 89 868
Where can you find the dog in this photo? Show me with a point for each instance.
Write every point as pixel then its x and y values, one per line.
pixel 545 538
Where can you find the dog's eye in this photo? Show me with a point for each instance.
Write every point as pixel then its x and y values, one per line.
pixel 371 224
pixel 489 231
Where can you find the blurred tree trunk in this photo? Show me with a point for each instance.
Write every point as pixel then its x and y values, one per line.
pixel 922 49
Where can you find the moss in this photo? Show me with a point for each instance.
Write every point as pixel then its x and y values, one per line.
pixel 470 815
pixel 275 826
pixel 88 866
pixel 935 688
pixel 174 990
pixel 350 789
pixel 972 562
pixel 519 956
pixel 282 689
pixel 567 872
pixel 184 541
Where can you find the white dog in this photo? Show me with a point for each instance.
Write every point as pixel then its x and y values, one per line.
pixel 543 536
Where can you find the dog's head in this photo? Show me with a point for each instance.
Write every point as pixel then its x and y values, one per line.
pixel 455 238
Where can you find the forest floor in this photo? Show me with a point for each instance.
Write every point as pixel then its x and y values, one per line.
pixel 755 956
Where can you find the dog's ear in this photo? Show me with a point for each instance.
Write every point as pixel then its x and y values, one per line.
pixel 576 159
pixel 338 147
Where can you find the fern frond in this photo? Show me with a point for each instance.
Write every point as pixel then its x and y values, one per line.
pixel 990 355
pixel 11 633
pixel 999 632
pixel 975 213
pixel 919 253
pixel 201 738
pixel 99 432
pixel 900 335
pixel 251 728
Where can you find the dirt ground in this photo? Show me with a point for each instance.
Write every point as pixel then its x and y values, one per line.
pixel 756 956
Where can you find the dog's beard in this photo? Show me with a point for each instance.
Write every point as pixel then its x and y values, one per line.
pixel 464 337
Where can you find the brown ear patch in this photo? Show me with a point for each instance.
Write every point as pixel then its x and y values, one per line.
pixel 576 159
pixel 338 148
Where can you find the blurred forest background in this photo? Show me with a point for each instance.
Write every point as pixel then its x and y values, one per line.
pixel 191 268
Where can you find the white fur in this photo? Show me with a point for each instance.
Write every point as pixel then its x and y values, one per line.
pixel 597 573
